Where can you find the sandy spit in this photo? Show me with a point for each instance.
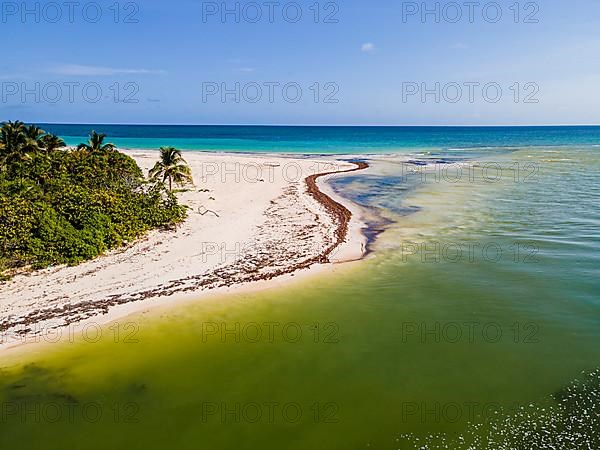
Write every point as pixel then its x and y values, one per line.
pixel 252 218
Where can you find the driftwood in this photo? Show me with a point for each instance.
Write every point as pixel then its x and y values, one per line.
pixel 203 211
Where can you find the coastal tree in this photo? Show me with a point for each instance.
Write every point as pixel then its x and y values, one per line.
pixel 19 142
pixel 12 135
pixel 64 207
pixel 51 143
pixel 33 138
pixel 171 168
pixel 13 142
pixel 96 144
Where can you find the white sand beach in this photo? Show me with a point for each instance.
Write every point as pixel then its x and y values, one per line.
pixel 251 218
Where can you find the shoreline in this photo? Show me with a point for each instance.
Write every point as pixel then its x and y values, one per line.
pixel 336 209
pixel 328 233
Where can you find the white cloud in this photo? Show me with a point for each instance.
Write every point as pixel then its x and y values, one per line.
pixel 367 47
pixel 81 70
pixel 246 69
pixel 459 46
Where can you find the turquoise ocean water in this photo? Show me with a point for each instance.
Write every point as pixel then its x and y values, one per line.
pixel 340 140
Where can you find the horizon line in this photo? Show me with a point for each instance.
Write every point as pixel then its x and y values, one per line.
pixel 313 125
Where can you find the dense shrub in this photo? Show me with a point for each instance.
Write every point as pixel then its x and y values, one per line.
pixel 67 206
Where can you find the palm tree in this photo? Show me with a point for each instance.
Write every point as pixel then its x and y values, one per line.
pixel 34 133
pixel 33 140
pixel 12 136
pixel 96 144
pixel 51 143
pixel 14 142
pixel 171 167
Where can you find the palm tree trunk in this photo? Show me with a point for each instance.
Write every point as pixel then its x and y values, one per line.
pixel 170 186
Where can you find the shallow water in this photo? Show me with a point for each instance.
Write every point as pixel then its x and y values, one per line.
pixel 483 293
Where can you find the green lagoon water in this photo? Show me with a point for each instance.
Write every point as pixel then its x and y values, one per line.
pixel 483 292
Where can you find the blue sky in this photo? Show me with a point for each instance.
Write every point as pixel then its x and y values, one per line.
pixel 366 65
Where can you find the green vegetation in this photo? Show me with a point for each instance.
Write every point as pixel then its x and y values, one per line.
pixel 171 167
pixel 96 144
pixel 64 206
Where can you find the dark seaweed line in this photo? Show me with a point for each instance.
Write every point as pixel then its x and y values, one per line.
pixel 85 310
